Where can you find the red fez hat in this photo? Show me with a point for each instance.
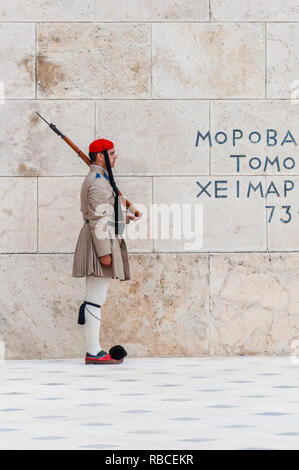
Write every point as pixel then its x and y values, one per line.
pixel 100 145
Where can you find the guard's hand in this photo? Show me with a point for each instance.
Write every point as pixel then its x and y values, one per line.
pixel 133 217
pixel 106 260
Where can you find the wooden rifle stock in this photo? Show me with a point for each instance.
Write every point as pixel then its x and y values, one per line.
pixel 87 160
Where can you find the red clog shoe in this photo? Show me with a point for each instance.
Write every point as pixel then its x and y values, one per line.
pixel 115 356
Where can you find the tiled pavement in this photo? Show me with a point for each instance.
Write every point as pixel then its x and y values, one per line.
pixel 152 403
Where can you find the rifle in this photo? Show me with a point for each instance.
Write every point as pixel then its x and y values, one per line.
pixel 85 159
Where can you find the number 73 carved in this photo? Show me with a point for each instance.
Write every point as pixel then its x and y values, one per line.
pixel 287 211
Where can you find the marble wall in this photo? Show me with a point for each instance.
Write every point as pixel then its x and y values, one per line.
pixel 150 75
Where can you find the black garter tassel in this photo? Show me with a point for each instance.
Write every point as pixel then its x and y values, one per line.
pixel 81 317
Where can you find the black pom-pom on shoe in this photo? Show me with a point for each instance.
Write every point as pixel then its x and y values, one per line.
pixel 117 352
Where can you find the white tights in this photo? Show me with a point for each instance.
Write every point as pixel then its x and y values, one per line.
pixel 96 291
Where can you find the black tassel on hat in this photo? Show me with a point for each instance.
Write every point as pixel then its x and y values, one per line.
pixel 119 218
pixel 117 352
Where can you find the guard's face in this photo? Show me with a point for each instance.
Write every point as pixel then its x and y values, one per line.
pixel 112 157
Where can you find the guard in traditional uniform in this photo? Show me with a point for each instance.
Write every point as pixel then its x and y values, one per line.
pixel 101 252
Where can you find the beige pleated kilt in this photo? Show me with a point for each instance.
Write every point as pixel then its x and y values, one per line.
pixel 86 261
